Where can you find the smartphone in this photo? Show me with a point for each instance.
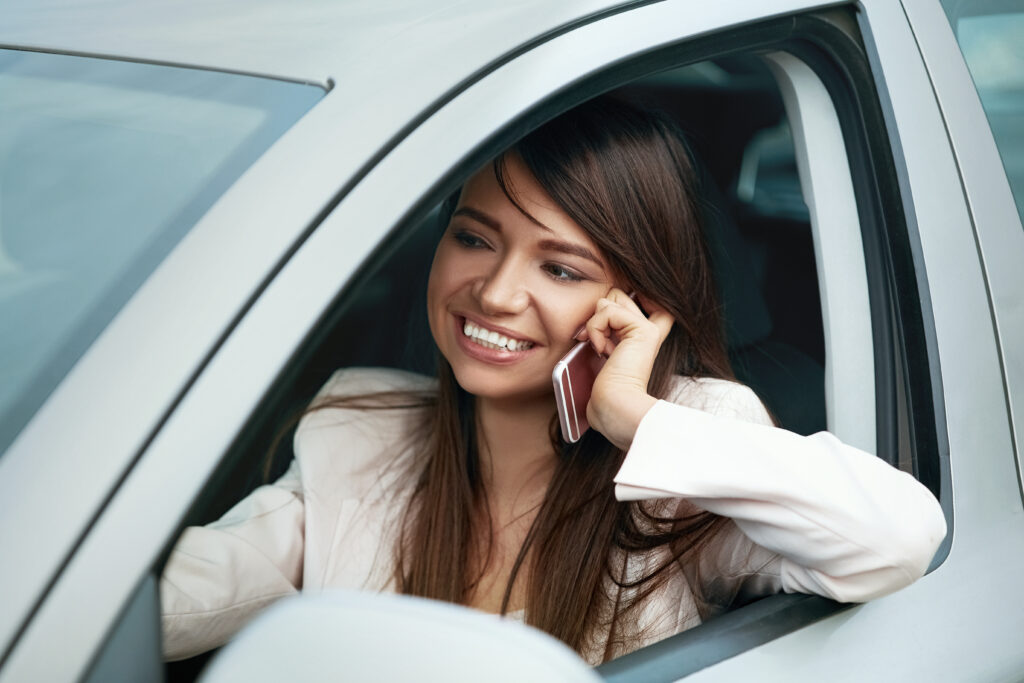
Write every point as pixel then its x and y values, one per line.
pixel 573 378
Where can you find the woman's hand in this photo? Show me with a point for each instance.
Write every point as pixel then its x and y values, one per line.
pixel 620 331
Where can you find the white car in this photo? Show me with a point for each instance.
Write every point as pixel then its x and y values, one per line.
pixel 206 207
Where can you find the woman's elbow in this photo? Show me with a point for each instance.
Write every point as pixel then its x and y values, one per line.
pixel 920 543
pixel 916 539
pixel 909 555
pixel 891 564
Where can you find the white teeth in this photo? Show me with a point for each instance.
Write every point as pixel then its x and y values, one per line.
pixel 490 339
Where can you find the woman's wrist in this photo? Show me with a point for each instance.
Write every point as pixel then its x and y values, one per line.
pixel 621 420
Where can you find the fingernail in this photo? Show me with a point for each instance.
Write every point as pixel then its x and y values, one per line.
pixel 579 332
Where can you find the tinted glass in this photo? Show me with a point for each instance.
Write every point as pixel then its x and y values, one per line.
pixel 104 167
pixel 991 37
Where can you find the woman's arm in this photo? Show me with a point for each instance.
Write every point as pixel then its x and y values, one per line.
pixel 844 523
pixel 220 575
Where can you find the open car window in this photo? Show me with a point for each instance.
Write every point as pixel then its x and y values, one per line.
pixel 768 248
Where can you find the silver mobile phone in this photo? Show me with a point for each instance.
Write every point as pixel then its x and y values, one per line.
pixel 573 378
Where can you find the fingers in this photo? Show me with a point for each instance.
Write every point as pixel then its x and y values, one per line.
pixel 619 397
pixel 608 322
pixel 618 317
pixel 619 296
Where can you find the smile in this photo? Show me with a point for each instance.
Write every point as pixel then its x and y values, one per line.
pixel 493 340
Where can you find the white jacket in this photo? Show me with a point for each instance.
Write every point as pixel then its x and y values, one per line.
pixel 810 514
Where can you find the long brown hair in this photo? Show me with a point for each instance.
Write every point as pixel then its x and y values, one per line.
pixel 625 177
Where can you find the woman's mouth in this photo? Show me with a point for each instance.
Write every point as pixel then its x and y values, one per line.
pixel 489 339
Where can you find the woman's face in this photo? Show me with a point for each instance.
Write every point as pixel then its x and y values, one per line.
pixel 507 293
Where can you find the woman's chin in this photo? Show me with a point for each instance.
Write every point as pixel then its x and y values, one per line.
pixel 498 387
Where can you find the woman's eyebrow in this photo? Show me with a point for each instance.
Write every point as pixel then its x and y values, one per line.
pixel 547 244
pixel 478 216
pixel 571 249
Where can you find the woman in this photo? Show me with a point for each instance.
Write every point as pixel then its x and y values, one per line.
pixel 665 513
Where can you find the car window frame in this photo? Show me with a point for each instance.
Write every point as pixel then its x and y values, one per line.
pixel 819 44
pixel 823 43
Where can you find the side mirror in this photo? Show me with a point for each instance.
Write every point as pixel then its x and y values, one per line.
pixel 349 635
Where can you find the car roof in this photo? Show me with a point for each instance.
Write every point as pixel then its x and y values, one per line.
pixel 312 41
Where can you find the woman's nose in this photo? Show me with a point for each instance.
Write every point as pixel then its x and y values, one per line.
pixel 502 291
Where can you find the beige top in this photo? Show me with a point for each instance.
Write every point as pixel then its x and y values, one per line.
pixel 810 515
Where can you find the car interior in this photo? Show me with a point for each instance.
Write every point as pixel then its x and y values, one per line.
pixel 757 224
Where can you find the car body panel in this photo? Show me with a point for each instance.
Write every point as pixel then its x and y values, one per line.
pixel 225 330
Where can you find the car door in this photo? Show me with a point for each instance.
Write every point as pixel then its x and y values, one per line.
pixel 574 66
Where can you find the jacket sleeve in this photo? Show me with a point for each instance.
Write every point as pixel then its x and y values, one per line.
pixel 218 576
pixel 823 517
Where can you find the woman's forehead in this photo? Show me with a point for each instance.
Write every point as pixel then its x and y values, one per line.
pixel 522 202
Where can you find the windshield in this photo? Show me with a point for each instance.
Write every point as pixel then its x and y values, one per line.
pixel 104 166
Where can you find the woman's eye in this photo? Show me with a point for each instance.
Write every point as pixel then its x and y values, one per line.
pixel 562 274
pixel 469 240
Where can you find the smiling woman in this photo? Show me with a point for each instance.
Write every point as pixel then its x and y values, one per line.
pixel 682 501
pixel 516 273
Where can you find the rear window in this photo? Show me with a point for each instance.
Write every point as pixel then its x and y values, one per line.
pixel 104 166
